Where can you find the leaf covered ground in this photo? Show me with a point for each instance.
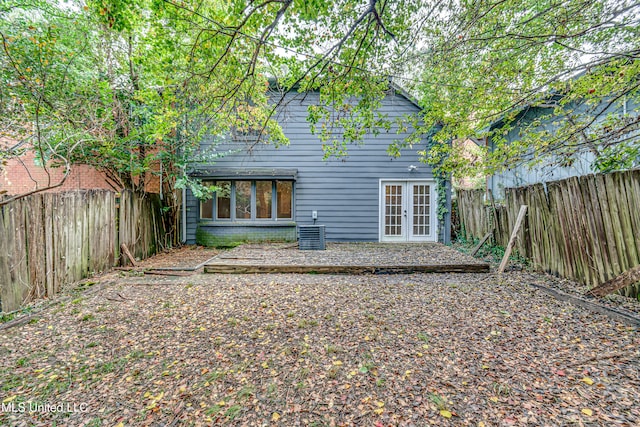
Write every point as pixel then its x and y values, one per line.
pixel 436 349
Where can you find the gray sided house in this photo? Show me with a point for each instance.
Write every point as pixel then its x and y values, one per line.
pixel 268 192
pixel 548 167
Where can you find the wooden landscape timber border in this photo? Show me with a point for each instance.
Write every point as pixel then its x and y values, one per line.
pixel 48 240
pixel 194 268
pixel 584 228
pixel 346 269
pixel 615 314
pixel 35 312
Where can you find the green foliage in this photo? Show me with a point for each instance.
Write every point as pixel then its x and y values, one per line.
pixel 125 85
pixel 489 63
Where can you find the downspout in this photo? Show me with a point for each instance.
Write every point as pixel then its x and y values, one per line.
pixel 488 179
pixel 161 180
pixel 184 216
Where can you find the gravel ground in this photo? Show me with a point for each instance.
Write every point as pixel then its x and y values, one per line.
pixel 615 300
pixel 410 350
pixel 346 254
pixel 291 349
pixel 401 254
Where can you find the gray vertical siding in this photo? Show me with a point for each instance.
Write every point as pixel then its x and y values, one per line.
pixel 547 167
pixel 344 192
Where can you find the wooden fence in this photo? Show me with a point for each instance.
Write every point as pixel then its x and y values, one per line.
pixel 141 225
pixel 584 228
pixel 51 239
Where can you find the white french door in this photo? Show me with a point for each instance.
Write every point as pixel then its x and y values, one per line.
pixel 407 211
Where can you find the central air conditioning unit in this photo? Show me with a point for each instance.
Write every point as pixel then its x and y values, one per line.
pixel 311 237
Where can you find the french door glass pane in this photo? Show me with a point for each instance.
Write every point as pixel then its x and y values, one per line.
pixel 393 210
pixel 421 209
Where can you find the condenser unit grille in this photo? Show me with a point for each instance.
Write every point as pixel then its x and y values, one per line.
pixel 311 237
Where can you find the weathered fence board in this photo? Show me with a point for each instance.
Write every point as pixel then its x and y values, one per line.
pixel 586 229
pixel 141 227
pixel 49 240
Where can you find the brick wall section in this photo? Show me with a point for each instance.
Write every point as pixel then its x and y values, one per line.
pixel 152 181
pixel 20 177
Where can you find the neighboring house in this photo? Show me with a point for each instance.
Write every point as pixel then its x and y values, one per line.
pixel 548 166
pixel 24 174
pixel 472 153
pixel 269 191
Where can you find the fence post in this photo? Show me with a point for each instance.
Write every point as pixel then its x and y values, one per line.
pixel 512 240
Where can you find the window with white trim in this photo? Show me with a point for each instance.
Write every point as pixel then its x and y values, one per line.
pixel 249 200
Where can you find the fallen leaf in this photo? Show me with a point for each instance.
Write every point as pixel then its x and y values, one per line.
pixel 587 380
pixel 445 413
pixel 588 412
pixel 275 416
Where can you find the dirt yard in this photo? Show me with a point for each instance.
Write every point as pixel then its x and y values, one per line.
pixel 414 350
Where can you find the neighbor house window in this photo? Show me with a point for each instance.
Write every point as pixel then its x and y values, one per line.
pixel 249 200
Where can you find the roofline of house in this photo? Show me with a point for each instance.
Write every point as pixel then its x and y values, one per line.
pixel 521 110
pixel 534 104
pixel 273 83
